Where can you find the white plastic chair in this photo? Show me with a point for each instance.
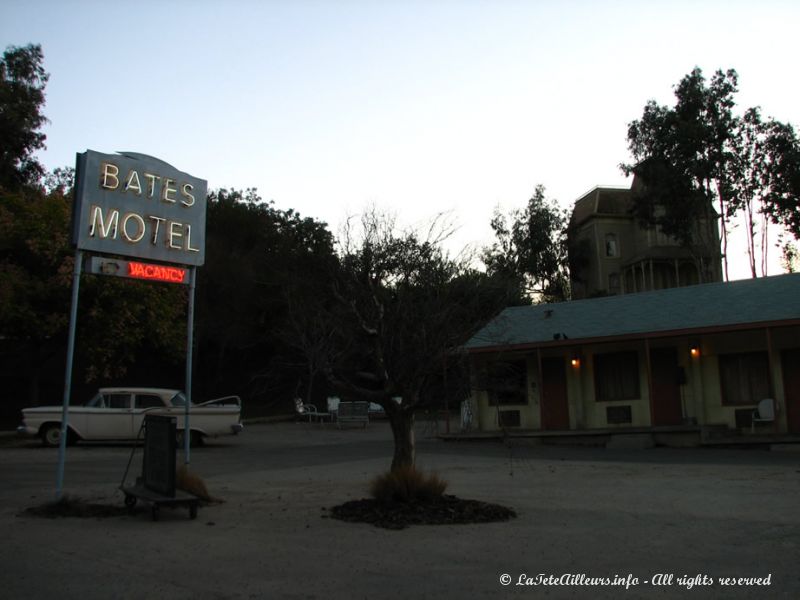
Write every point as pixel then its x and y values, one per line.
pixel 763 413
pixel 308 410
pixel 333 406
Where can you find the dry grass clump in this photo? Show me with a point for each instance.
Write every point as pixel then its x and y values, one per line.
pixel 191 482
pixel 406 485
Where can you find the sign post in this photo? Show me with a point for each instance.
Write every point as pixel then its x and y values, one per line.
pixel 187 437
pixel 73 317
pixel 134 205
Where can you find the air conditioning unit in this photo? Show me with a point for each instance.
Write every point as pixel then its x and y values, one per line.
pixel 618 415
pixel 509 418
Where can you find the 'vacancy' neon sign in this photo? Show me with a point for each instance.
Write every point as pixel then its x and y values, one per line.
pixel 150 272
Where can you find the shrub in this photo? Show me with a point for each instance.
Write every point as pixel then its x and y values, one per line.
pixel 189 481
pixel 407 484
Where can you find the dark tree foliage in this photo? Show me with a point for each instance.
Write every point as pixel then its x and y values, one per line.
pixel 22 83
pixel 35 269
pixel 531 249
pixel 255 254
pixel 121 323
pixel 132 332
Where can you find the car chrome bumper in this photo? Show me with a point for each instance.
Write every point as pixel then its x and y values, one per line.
pixel 238 428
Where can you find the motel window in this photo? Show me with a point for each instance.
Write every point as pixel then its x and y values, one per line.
pixel 507 381
pixel 744 378
pixel 616 376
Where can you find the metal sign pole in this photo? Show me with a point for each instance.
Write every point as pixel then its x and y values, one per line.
pixel 73 318
pixel 187 436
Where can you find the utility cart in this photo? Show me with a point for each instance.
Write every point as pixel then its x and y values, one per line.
pixel 157 482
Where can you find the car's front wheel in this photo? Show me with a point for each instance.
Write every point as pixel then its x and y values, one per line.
pixel 51 435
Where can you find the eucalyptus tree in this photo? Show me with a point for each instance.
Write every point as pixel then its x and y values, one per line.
pixel 681 155
pixel 782 202
pixel 530 248
pixel 764 182
pixel 702 166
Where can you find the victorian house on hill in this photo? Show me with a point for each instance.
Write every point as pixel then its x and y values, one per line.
pixel 612 253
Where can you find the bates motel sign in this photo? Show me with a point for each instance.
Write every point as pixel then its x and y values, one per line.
pixel 135 205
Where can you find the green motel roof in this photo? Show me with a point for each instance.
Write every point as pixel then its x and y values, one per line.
pixel 711 306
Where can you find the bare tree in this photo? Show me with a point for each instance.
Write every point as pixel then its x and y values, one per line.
pixel 399 305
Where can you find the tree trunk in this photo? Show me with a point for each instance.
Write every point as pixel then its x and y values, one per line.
pixel 723 225
pixel 402 423
pixel 751 237
pixel 764 243
pixel 310 386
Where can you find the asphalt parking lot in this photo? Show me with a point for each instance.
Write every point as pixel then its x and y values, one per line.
pixel 592 523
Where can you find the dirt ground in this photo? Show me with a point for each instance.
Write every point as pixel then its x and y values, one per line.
pixel 592 523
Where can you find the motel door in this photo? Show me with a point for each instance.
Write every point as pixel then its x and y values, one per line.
pixel 555 411
pixel 667 409
pixel 791 388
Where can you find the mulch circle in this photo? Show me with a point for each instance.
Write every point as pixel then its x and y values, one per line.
pixel 445 510
pixel 75 507
pixel 72 507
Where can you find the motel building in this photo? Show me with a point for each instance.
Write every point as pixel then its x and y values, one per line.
pixel 697 364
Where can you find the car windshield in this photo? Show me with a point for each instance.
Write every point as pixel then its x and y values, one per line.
pixel 96 401
pixel 178 399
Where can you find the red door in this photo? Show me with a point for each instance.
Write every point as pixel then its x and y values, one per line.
pixel 791 388
pixel 555 412
pixel 667 408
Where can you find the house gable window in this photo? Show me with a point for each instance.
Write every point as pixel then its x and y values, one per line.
pixel 612 250
pixel 507 382
pixel 744 378
pixel 616 376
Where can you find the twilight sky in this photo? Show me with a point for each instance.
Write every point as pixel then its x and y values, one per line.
pixel 415 107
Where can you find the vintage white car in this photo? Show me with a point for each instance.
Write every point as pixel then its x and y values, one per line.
pixel 118 413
